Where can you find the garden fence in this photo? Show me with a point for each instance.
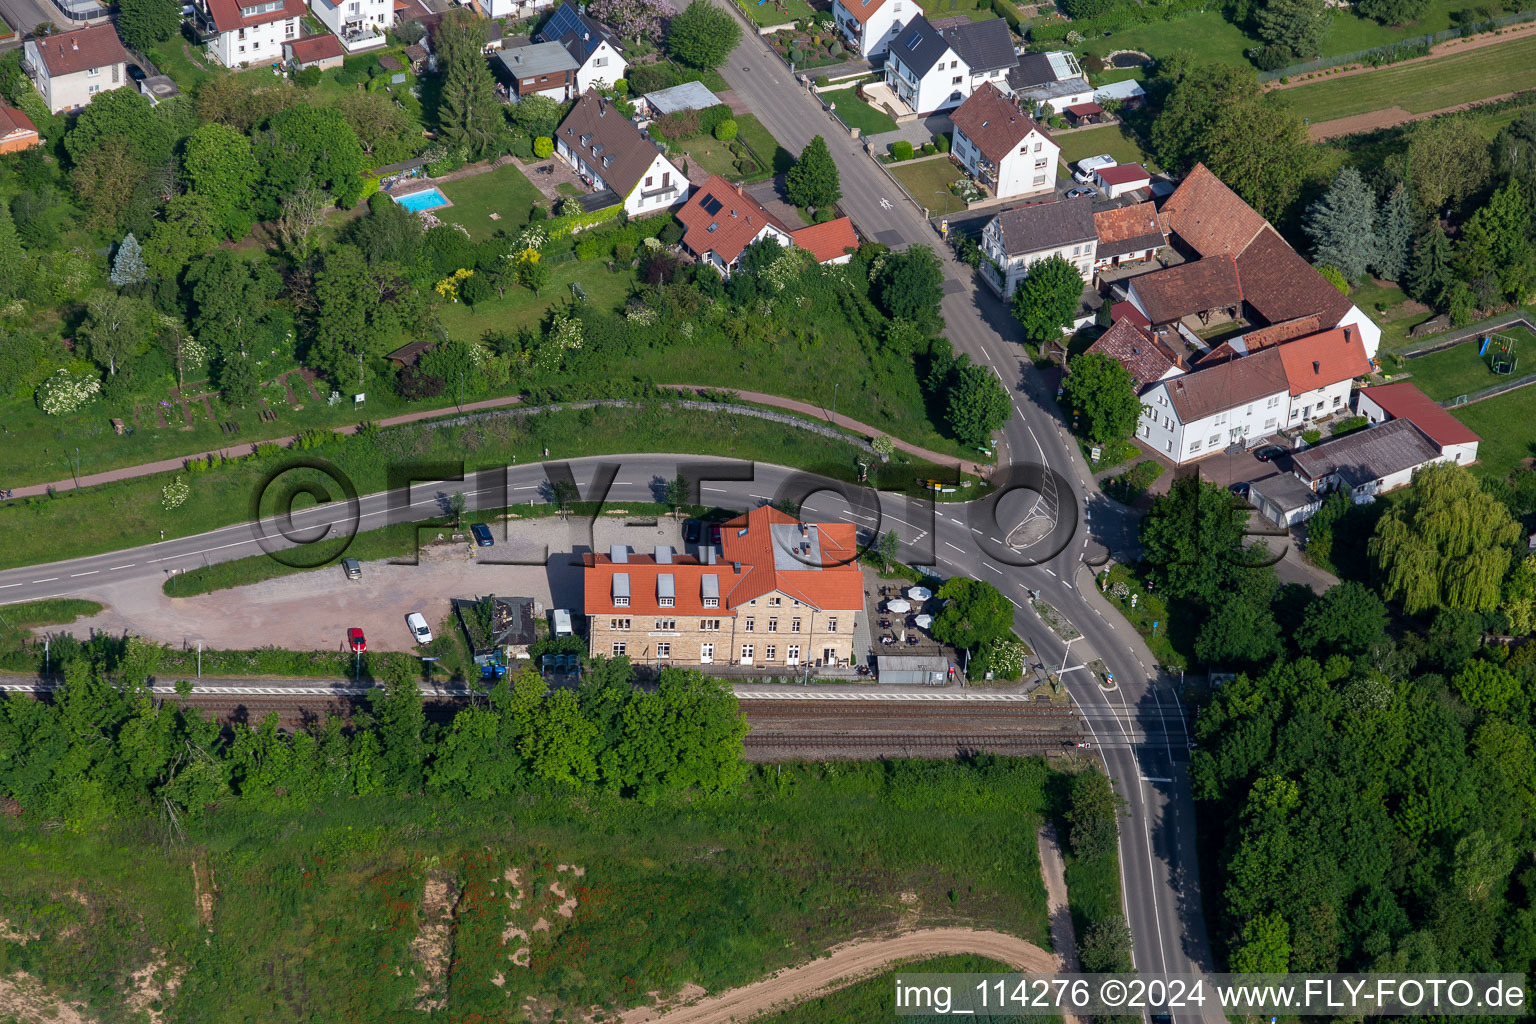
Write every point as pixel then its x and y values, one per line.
pixel 1428 40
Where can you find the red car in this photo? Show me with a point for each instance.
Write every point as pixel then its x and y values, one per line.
pixel 356 641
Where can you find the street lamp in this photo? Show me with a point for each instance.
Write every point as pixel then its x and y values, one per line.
pixel 1064 656
pixel 834 401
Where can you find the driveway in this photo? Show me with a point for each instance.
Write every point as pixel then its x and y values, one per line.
pixel 312 611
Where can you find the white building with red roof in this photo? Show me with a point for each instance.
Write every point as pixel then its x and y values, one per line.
pixel 721 220
pixel 774 593
pixel 237 33
pixel 358 24
pixel 832 241
pixel 1002 147
pixel 17 132
pixel 1403 401
pixel 71 68
pixel 870 25
pixel 1120 179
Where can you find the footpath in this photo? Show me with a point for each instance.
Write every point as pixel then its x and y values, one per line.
pixel 506 401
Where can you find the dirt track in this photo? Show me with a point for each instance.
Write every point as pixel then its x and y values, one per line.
pixel 846 964
pixel 1443 49
pixel 1390 117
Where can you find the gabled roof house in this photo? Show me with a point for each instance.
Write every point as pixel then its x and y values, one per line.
pixel 610 153
pixel 721 220
pixel 595 47
pixel 70 68
pixel 870 25
pixel 932 68
pixel 1001 146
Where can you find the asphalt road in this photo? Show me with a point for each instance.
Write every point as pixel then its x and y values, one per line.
pixel 1159 870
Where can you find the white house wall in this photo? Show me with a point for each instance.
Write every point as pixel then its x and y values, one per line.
pixel 636 203
pixel 1162 431
pixel 261 44
pixel 604 65
pixel 1016 268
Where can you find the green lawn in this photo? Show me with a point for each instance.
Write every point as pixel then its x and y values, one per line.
pixel 521 308
pixel 926 178
pixel 1114 139
pixel 1504 424
pixel 1450 372
pixel 858 114
pixel 776 12
pixel 716 157
pixel 504 191
pixel 752 131
pixel 1431 85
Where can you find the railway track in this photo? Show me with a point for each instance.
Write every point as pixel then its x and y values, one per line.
pixel 760 746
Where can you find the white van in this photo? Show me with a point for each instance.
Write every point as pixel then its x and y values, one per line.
pixel 1088 164
pixel 560 622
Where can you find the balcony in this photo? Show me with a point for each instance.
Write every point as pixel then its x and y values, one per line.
pixel 357 36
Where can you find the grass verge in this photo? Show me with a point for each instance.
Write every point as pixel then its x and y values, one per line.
pixel 1506 445
pixel 858 114
pixel 1149 608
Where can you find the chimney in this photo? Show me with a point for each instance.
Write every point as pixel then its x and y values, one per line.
pixel 1317 367
pixel 736 568
pixel 1346 335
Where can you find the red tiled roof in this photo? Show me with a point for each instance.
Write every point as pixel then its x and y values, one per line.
pixel 642 571
pixel 993 122
pixel 1280 285
pixel 1321 359
pixel 1406 402
pixel 861 10
pixel 737 219
pixel 828 240
pixel 315 48
pixel 1169 295
pixel 81 50
pixel 834 582
pixel 1128 311
pixel 1083 109
pixel 1209 216
pixel 14 122
pixel 1261 338
pixel 227 16
pixel 1128 229
pixel 1123 174
pixel 1146 359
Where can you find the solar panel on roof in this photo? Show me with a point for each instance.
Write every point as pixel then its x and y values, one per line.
pixel 711 205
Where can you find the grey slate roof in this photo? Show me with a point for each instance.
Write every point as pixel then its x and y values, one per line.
pixel 1370 454
pixel 538 59
pixel 1047 225
pixel 919 46
pixel 1285 492
pixel 1031 69
pixel 982 45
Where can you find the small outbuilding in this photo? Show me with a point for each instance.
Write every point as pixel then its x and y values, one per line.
pixel 912 670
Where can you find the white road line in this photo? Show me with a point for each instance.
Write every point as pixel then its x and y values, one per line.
pixel 1052 572
pixel 130 565
pixel 76 575
pixel 994 568
pixel 525 487
pixel 50 579
pixel 1146 778
pixel 8 586
pixel 949 545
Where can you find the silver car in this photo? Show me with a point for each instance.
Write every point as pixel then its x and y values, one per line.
pixel 418 627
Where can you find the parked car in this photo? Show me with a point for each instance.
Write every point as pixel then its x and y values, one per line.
pixel 418 627
pixel 356 641
pixel 714 533
pixel 352 568
pixel 1088 164
pixel 482 534
pixel 1240 489
pixel 1268 452
pixel 560 622
pixel 691 531
pixel 1086 190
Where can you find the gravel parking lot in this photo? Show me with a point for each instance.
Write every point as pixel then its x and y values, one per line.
pixel 313 610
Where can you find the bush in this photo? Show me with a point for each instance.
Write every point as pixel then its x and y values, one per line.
pixel 543 147
pixel 822 81
pixel 711 118
pixel 929 149
pixel 671 234
pixel 308 78
pixel 621 87
pixel 1311 435
pixel 941 143
pixel 522 148
pixel 624 252
pixel 901 150
pixel 1349 424
pixel 413 384
pixel 589 249
pixel 684 124
pixel 725 131
pixel 836 49
pixel 796 56
pixel 537 212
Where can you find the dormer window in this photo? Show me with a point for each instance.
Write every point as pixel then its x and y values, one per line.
pixel 621 589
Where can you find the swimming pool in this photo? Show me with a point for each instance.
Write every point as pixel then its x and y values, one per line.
pixel 427 199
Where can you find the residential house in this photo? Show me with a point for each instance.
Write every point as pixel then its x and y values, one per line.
pixel 1321 370
pixel 70 68
pixel 781 594
pixel 933 68
pixel 540 69
pixel 1016 239
pixel 17 132
pixel 1121 179
pixel 1198 414
pixel 323 52
pixel 1206 218
pixel 497 9
pixel 1147 358
pixel 1208 289
pixel 359 24
pixel 831 242
pixel 1127 234
pixel 1404 401
pixel 592 45
pixel 720 220
pixel 1284 499
pixel 241 32
pixel 1367 462
pixel 1049 82
pixel 610 153
pixel 870 25
pixel 678 98
pixel 1001 146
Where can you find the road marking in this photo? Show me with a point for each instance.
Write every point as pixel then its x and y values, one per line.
pixel 1146 778
pixel 1014 603
pixel 76 575
pixel 525 487
pixel 994 568
pixel 949 545
pixel 8 586
pixel 1052 572
pixel 50 579
pixel 130 565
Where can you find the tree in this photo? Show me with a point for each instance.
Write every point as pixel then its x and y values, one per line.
pixel 974 613
pixel 1264 946
pixel 1294 26
pixel 385 130
pixel 468 112
pixel 536 117
pixel 1392 12
pixel 1448 161
pixel 189 230
pixel 1342 225
pixel 231 299
pixel 976 405
pixel 1496 241
pixel 703 36
pixel 13 261
pixel 1446 543
pixel 543 147
pixel 221 166
pixel 1430 275
pixel 401 725
pixel 1101 391
pixel 1487 687
pixel 1347 619
pixel 1514 151
pixel 910 285
pixel 1092 812
pixel 143 23
pixel 115 327
pixel 813 180
pixel 889 548
pixel 1394 237
pixel 128 263
pixel 1192 538
pixel 533 274
pixel 1237 630
pixel 1105 947
pixel 676 493
pixel 564 494
pixel 306 143
pixel 343 302
pixel 105 179
pixel 300 213
pixel 457 504
pixel 1519 604
pixel 1046 300
pixel 119 114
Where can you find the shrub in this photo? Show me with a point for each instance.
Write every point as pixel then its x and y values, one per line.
pixel 1348 424
pixel 543 147
pixel 711 118
pixel 836 49
pixel 671 234
pixel 624 252
pixel 823 81
pixel 941 142
pixel 929 149
pixel 901 150
pixel 64 392
pixel 796 56
pixel 1311 435
pixel 308 78
pixel 684 124
pixel 414 384
pixel 522 148
pixel 589 249
pixel 725 131
pixel 537 212
pixel 621 87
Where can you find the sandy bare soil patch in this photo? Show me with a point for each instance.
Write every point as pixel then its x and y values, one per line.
pixel 155 981
pixel 1391 117
pixel 204 887
pixel 433 944
pixel 25 999
pixel 10 933
pixel 845 964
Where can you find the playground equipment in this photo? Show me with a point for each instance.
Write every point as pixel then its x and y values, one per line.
pixel 1499 349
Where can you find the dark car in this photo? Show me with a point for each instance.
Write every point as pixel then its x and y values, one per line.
pixel 482 535
pixel 1268 452
pixel 353 570
pixel 1240 489
pixel 356 640
pixel 691 531
pixel 714 533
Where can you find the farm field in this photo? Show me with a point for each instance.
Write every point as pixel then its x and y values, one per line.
pixel 1417 88
pixel 380 909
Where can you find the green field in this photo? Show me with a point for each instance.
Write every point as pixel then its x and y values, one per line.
pixel 751 131
pixel 1417 88
pixel 716 157
pixel 929 180
pixel 504 191
pixel 318 911
pixel 858 114
pixel 1114 139
pixel 776 12
pixel 1504 424
pixel 1460 370
pixel 606 289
